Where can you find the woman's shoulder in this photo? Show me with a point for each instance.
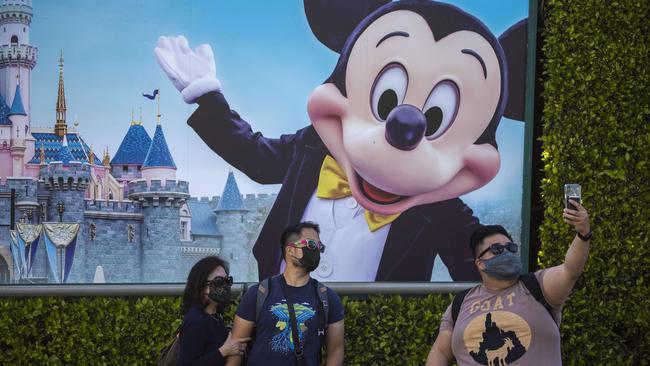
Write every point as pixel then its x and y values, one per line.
pixel 194 314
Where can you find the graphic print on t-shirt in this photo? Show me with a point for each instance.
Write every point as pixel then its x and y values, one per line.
pixel 497 338
pixel 282 341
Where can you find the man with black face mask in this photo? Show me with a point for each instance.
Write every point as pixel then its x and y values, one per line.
pixel 511 318
pixel 291 315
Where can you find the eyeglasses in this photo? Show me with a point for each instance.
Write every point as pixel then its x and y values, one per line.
pixel 220 281
pixel 498 248
pixel 309 244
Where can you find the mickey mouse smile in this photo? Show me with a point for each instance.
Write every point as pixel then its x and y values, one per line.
pixel 377 195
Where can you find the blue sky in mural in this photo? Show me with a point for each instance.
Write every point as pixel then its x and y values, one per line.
pixel 267 60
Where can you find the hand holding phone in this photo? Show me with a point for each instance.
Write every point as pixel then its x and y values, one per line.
pixel 580 219
pixel 572 192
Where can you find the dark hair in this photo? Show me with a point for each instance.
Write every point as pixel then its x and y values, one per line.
pixel 196 280
pixel 292 233
pixel 483 232
pixel 443 20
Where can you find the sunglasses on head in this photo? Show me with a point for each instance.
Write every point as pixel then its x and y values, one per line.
pixel 309 244
pixel 498 248
pixel 220 281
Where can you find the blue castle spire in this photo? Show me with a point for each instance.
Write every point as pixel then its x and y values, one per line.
pixel 134 146
pixel 231 198
pixel 158 155
pixel 64 153
pixel 17 105
pixel 4 112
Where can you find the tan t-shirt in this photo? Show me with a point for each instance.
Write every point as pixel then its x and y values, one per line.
pixel 507 327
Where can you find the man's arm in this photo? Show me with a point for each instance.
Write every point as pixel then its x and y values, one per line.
pixel 241 328
pixel 559 280
pixel 440 354
pixel 335 343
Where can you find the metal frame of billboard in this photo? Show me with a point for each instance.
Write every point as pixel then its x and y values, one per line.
pixel 531 58
pixel 343 288
pixel 176 289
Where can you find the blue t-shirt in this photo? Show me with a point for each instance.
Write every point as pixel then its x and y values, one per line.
pixel 273 343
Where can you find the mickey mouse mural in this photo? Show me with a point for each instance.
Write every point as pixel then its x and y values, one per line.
pixel 403 126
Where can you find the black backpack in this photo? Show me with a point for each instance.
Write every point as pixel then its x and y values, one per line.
pixel 322 310
pixel 529 280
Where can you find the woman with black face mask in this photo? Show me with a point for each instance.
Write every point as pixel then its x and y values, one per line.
pixel 204 338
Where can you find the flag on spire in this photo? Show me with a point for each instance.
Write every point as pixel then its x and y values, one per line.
pixel 151 96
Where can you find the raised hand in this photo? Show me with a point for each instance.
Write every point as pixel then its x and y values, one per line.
pixel 193 73
pixel 578 218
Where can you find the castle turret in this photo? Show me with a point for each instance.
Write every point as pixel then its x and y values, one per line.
pixel 17 59
pixel 158 164
pixel 160 230
pixel 17 56
pixel 231 221
pixel 17 108
pixel 130 156
pixel 19 133
pixel 6 168
pixel 67 180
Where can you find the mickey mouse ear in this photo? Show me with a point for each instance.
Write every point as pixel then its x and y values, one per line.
pixel 332 21
pixel 514 42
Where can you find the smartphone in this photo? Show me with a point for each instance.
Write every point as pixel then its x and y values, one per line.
pixel 572 192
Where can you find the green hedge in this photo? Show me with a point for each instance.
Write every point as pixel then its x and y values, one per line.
pixel 596 131
pixel 123 331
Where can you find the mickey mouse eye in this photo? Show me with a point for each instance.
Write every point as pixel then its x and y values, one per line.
pixel 440 109
pixel 388 91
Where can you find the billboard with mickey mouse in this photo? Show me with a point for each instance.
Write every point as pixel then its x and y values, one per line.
pixel 397 126
pixel 404 125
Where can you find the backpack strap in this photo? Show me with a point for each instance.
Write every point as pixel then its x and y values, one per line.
pixel 321 291
pixel 263 289
pixel 532 284
pixel 262 293
pixel 323 312
pixel 456 303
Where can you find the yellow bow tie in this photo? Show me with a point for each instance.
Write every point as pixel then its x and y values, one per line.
pixel 333 184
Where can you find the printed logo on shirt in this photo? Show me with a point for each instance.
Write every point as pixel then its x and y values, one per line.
pixel 497 338
pixel 282 341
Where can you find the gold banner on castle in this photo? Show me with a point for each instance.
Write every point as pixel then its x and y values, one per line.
pixel 61 234
pixel 29 232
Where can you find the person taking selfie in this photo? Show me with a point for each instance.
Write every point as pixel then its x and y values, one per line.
pixel 511 318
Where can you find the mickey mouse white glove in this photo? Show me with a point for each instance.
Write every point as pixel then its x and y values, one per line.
pixel 193 73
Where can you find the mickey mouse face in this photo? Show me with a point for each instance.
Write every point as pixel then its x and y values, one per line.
pixel 414 107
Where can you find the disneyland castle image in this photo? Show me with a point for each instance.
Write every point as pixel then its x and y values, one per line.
pixel 127 219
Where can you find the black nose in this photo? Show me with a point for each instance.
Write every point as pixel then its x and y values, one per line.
pixel 405 127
